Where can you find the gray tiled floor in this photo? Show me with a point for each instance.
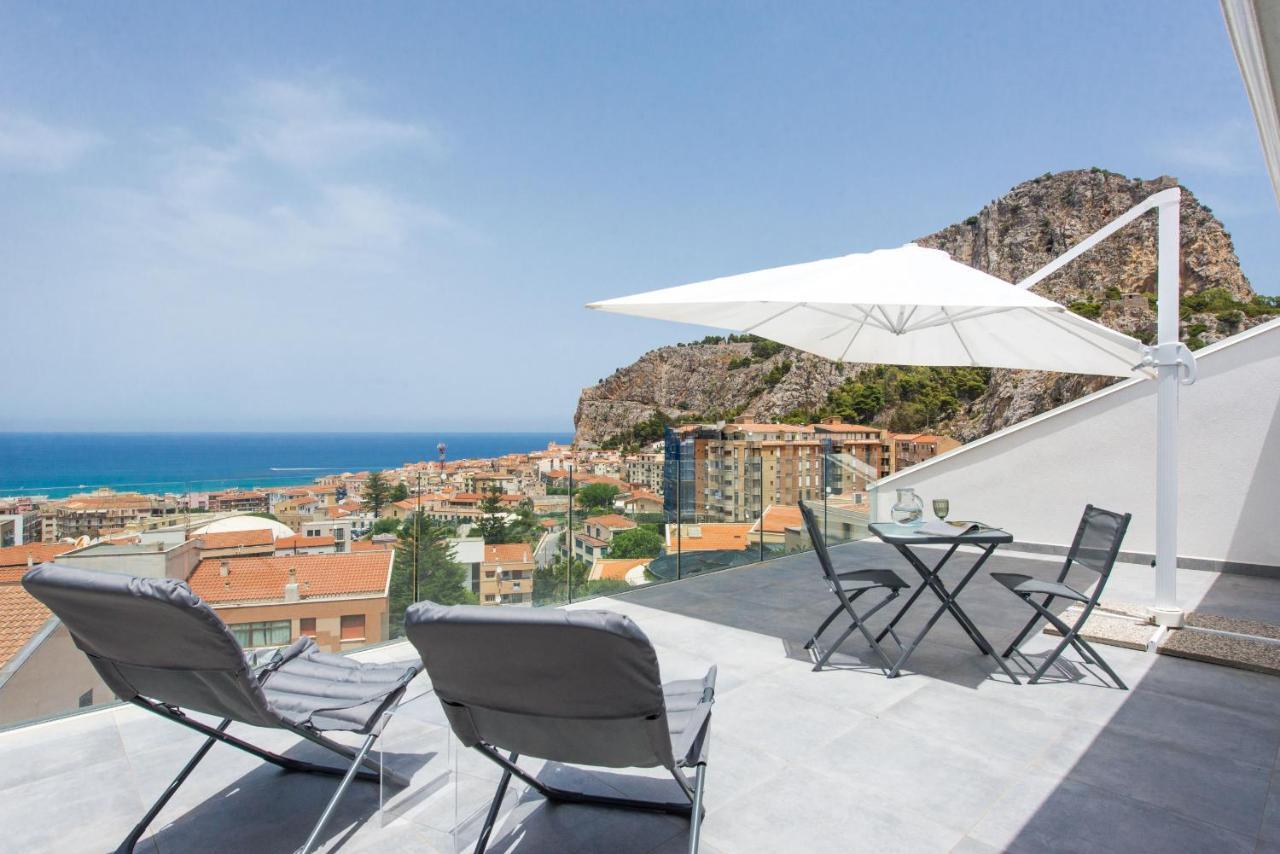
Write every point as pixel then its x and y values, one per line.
pixel 946 758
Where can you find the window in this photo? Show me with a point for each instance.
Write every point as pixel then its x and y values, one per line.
pixel 352 627
pixel 274 633
pixel 307 627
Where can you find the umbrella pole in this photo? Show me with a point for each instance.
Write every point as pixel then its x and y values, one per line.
pixel 1166 611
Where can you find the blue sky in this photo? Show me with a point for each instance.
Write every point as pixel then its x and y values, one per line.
pixel 348 216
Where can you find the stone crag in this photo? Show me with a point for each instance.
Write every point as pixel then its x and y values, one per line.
pixel 1011 238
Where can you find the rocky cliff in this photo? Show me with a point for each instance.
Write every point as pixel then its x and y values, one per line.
pixel 1011 238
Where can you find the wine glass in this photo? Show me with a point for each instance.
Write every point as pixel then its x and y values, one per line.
pixel 941 508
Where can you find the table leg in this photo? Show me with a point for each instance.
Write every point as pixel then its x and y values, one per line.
pixel 948 599
pixel 915 594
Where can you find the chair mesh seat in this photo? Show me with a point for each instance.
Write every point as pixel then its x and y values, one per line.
pixel 319 688
pixel 1030 585
pixel 866 579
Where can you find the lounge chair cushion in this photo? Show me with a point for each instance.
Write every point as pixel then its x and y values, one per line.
pixel 333 692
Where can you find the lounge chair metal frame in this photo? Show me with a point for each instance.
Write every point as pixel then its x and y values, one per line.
pixel 690 809
pixel 858 582
pixel 566 686
pixel 181 657
pixel 1098 557
pixel 371 772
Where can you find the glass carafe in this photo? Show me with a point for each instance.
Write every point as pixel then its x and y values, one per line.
pixel 909 508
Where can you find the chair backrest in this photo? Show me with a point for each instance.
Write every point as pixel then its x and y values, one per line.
pixel 569 686
pixel 820 548
pixel 1097 541
pixel 152 638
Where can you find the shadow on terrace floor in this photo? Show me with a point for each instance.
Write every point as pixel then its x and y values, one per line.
pixel 1182 761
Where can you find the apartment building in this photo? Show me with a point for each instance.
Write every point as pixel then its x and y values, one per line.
pixel 339 600
pixel 730 472
pixel 239 500
pixel 644 470
pixel 297 512
pixel 91 515
pixel 506 575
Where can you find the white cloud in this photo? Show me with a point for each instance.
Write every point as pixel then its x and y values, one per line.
pixel 30 145
pixel 1229 148
pixel 312 125
pixel 263 199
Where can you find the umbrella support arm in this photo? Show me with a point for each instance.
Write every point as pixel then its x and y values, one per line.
pixel 1175 365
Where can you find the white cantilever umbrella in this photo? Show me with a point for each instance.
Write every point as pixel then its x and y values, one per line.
pixel 905 306
pixel 917 306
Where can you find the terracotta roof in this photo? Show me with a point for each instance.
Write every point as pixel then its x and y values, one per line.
pixel 368 546
pixel 262 579
pixel 778 517
pixel 589 540
pixel 508 553
pixel 643 495
pixel 20 617
pixel 548 523
pixel 749 427
pixel 916 437
pixel 39 552
pixel 234 539
pixel 712 536
pixel 845 428
pixel 297 541
pixel 611 520
pixel 610 569
pixel 108 502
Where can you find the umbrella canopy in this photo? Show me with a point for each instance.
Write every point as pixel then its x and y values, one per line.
pixel 905 306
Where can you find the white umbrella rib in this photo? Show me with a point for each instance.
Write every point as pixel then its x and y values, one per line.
pixel 960 338
pixel 773 317
pixel 1053 321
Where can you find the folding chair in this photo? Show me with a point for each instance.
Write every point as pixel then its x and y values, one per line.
pixel 1095 548
pixel 565 686
pixel 158 646
pixel 847 587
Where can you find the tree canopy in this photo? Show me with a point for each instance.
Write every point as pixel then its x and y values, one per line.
pixel 440 578
pixel 376 493
pixel 597 496
pixel 637 542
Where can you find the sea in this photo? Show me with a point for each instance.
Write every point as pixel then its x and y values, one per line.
pixel 61 464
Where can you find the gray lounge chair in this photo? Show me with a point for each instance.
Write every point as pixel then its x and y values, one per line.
pixel 1095 547
pixel 847 587
pixel 565 686
pixel 158 646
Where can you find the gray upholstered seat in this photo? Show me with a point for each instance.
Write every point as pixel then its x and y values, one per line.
pixel 157 645
pixel 574 686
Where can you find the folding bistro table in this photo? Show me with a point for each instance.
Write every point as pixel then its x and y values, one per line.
pixel 904 538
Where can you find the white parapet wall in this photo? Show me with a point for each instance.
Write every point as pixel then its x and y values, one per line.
pixel 1034 478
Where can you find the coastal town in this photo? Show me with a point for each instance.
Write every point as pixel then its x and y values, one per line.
pixel 335 559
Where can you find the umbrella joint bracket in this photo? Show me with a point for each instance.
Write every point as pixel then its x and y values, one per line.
pixel 1173 353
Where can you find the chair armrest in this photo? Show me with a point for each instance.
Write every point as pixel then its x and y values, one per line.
pixel 691 748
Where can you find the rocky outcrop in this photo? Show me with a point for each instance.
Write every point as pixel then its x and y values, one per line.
pixel 1011 238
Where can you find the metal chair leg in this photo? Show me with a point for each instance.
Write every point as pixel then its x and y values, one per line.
pixel 813 641
pixel 140 828
pixel 309 845
pixel 695 820
pixel 492 817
